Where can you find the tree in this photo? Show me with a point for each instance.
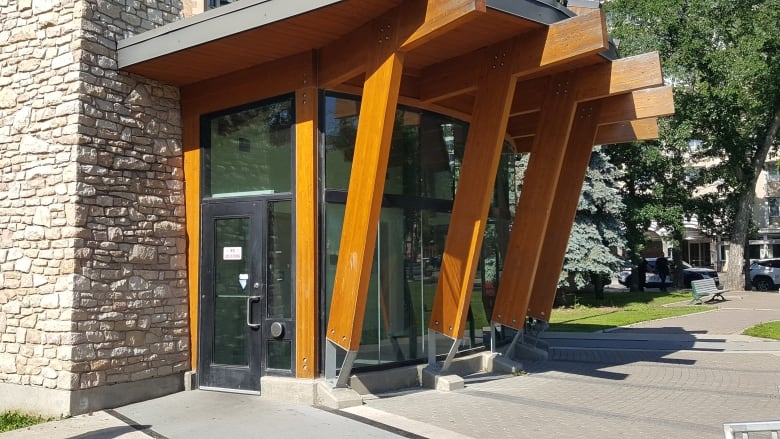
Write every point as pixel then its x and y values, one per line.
pixel 723 58
pixel 597 228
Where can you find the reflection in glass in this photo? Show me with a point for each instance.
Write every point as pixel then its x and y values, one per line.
pixel 231 255
pixel 249 150
pixel 423 171
pixel 424 158
pixel 279 354
pixel 279 259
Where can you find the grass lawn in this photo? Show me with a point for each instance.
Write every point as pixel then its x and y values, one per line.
pixel 765 330
pixel 13 420
pixel 587 314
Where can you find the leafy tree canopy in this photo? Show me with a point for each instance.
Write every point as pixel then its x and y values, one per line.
pixel 723 59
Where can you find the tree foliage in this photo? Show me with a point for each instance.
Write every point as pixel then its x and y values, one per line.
pixel 723 59
pixel 597 228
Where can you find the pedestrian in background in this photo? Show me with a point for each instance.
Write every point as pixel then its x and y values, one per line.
pixel 662 269
pixel 641 274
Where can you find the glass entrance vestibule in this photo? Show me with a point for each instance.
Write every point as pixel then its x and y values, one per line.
pixel 247 159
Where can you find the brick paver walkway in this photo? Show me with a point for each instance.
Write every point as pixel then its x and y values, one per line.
pixel 619 392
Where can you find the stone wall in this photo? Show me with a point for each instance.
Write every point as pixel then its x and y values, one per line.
pixel 92 246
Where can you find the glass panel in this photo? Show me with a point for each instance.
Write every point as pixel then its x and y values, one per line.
pixel 250 150
pixel 279 354
pixel 423 169
pixel 424 158
pixel 334 221
pixel 341 116
pixel 279 259
pixel 231 267
pixel 442 144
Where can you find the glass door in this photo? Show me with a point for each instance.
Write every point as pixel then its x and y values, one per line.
pixel 246 324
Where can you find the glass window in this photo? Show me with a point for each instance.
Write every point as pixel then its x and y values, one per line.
pixel 773 206
pixel 217 3
pixel 279 261
pixel 248 150
pixel 424 158
pixel 423 169
pixel 230 344
pixel 772 172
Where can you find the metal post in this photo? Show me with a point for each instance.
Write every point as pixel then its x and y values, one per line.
pixel 341 379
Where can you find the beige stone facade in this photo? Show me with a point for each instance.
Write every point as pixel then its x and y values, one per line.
pixel 92 245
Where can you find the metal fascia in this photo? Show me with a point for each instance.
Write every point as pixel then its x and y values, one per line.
pixel 211 25
pixel 541 11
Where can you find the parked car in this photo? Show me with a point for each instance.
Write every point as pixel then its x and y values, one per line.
pixel 652 280
pixel 765 274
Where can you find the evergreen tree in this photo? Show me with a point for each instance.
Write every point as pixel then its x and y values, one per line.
pixel 597 229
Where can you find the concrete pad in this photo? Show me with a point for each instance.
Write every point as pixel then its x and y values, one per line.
pixel 340 398
pixel 433 379
pixel 502 364
pixel 300 391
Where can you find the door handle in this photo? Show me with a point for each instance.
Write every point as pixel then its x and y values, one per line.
pixel 249 301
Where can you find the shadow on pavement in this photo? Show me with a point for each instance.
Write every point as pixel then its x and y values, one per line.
pixel 111 432
pixel 593 354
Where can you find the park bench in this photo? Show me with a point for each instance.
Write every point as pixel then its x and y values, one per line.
pixel 741 430
pixel 703 288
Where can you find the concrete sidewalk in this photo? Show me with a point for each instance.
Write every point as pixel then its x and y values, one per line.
pixel 677 377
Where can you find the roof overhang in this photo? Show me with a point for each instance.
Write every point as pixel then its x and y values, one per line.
pixel 253 32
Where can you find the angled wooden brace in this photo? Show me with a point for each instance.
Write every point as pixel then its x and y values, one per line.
pixel 472 201
pixel 383 41
pixel 544 173
pixel 553 47
pixel 591 117
pixel 535 204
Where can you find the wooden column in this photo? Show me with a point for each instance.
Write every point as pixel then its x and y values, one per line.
pixel 191 140
pixel 366 186
pixel 564 209
pixel 475 190
pixel 306 231
pixel 536 201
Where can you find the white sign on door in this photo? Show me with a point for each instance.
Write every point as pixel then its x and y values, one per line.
pixel 231 253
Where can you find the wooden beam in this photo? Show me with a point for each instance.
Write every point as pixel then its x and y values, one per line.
pixel 536 201
pixel 524 145
pixel 561 42
pixel 564 209
pixel 623 75
pixel 425 20
pixel 472 200
pixel 364 198
pixel 523 125
pixel 413 23
pixel 624 132
pixel 253 84
pixel 306 231
pixel 640 104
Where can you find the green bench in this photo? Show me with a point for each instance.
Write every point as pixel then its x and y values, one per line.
pixel 705 287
